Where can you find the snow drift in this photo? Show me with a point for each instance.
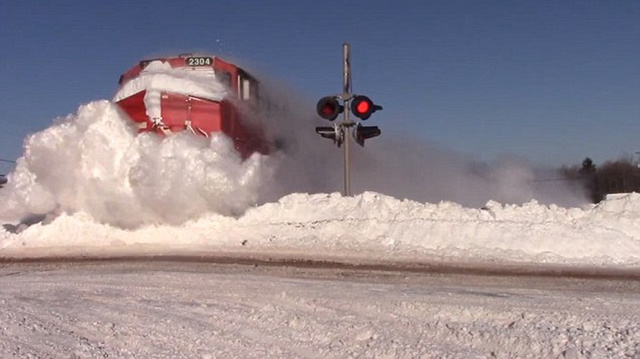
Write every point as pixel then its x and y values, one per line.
pixel 370 225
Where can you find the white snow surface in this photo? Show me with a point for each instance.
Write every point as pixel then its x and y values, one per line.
pixel 102 189
pixel 370 225
pixel 198 310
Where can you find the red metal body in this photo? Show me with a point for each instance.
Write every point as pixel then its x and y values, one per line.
pixel 181 111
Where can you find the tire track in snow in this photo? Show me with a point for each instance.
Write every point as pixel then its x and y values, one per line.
pixel 513 269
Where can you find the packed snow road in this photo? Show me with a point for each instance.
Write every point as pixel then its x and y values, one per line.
pixel 163 309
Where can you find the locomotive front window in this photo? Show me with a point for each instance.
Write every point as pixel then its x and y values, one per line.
pixel 224 77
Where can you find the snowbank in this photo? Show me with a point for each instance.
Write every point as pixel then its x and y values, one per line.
pixel 369 225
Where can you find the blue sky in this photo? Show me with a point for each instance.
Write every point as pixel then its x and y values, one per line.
pixel 555 81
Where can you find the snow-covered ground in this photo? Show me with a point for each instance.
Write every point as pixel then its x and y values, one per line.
pixel 90 186
pixel 197 310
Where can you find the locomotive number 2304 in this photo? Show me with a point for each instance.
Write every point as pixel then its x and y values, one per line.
pixel 199 61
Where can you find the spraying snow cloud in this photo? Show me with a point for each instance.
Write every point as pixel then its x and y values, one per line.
pixel 95 162
pixel 402 166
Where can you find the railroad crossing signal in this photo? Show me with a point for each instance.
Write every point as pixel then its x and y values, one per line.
pixel 329 107
pixel 363 107
pixel 333 133
pixel 361 133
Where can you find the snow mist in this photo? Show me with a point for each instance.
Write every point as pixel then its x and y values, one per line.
pixel 95 162
pixel 402 167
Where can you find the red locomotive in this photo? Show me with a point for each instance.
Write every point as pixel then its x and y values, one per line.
pixel 202 94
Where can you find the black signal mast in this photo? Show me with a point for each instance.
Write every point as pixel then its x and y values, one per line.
pixel 361 106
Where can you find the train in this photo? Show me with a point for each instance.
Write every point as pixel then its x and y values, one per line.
pixel 201 94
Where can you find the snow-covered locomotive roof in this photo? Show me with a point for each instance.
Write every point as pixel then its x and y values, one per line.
pixel 186 75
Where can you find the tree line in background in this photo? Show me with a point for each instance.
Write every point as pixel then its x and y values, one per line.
pixel 619 176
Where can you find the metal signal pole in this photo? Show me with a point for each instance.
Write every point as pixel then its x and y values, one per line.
pixel 346 96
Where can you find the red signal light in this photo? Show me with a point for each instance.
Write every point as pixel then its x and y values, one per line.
pixel 363 107
pixel 329 108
